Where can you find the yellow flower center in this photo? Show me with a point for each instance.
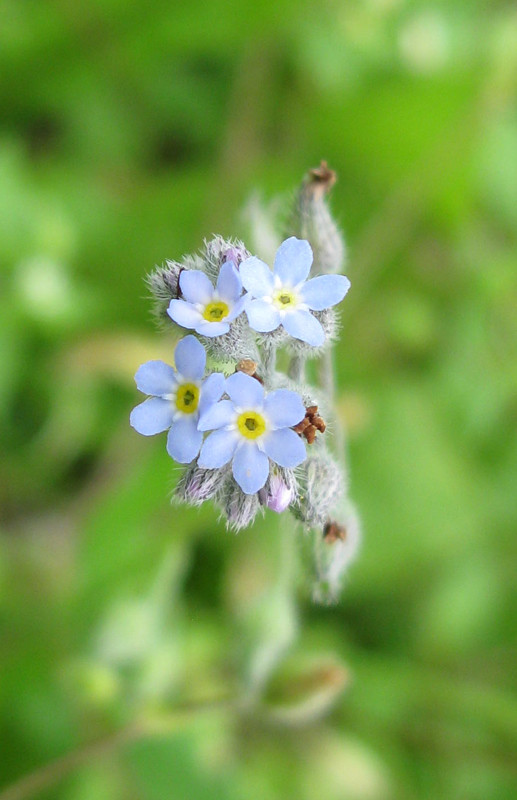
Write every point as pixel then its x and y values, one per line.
pixel 215 312
pixel 251 425
pixel 284 298
pixel 187 398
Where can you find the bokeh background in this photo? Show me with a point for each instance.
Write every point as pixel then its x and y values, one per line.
pixel 129 132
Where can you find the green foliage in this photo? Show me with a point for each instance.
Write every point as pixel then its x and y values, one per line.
pixel 194 658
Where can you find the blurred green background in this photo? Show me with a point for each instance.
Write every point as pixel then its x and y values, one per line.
pixel 129 132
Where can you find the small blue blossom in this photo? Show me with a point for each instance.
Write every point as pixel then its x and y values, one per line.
pixel 204 309
pixel 250 429
pixel 285 296
pixel 178 398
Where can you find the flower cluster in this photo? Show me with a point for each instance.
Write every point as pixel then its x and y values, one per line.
pixel 251 436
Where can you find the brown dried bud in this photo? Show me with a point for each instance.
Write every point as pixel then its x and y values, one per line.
pixel 332 531
pixel 319 423
pixel 321 179
pixel 310 424
pixel 249 367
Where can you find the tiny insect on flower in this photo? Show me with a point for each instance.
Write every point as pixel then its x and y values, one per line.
pixel 208 310
pixel 285 296
pixel 178 398
pixel 250 430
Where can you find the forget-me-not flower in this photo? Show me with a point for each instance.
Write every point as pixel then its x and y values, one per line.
pixel 285 296
pixel 178 398
pixel 252 429
pixel 207 310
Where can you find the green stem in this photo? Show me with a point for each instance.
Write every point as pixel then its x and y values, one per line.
pixel 328 383
pixel 296 370
pixel 268 361
pixel 43 778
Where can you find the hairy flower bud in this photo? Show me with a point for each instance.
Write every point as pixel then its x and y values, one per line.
pixel 312 220
pixel 164 287
pixel 279 491
pixel 218 251
pixel 197 485
pixel 335 549
pixel 322 484
pixel 240 509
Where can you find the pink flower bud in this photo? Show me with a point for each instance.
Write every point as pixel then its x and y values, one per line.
pixel 277 495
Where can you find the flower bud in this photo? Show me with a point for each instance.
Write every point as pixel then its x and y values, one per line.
pixel 163 284
pixel 322 484
pixel 313 221
pixel 279 491
pixel 240 509
pixel 335 549
pixel 218 251
pixel 197 485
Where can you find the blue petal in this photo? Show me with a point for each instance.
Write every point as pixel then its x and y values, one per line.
pixel 184 439
pixel 156 377
pixel 211 329
pixel 262 316
pixel 152 416
pixel 293 261
pixel 229 284
pixel 246 392
pixel 257 278
pixel 238 307
pixel 196 286
pixel 304 326
pixel 324 291
pixel 190 358
pixel 284 408
pixel 250 468
pixel 217 450
pixel 284 447
pixel 217 416
pixel 211 391
pixel 184 314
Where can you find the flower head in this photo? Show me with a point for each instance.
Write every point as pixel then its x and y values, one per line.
pixel 285 296
pixel 207 310
pixel 178 398
pixel 250 429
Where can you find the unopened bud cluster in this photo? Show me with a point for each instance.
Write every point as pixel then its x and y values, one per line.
pixel 250 436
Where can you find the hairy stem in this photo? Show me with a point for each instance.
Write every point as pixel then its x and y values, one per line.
pixel 268 361
pixel 296 369
pixel 328 383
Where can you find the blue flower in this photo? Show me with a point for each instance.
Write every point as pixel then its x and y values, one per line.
pixel 178 399
pixel 252 430
pixel 207 310
pixel 285 296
